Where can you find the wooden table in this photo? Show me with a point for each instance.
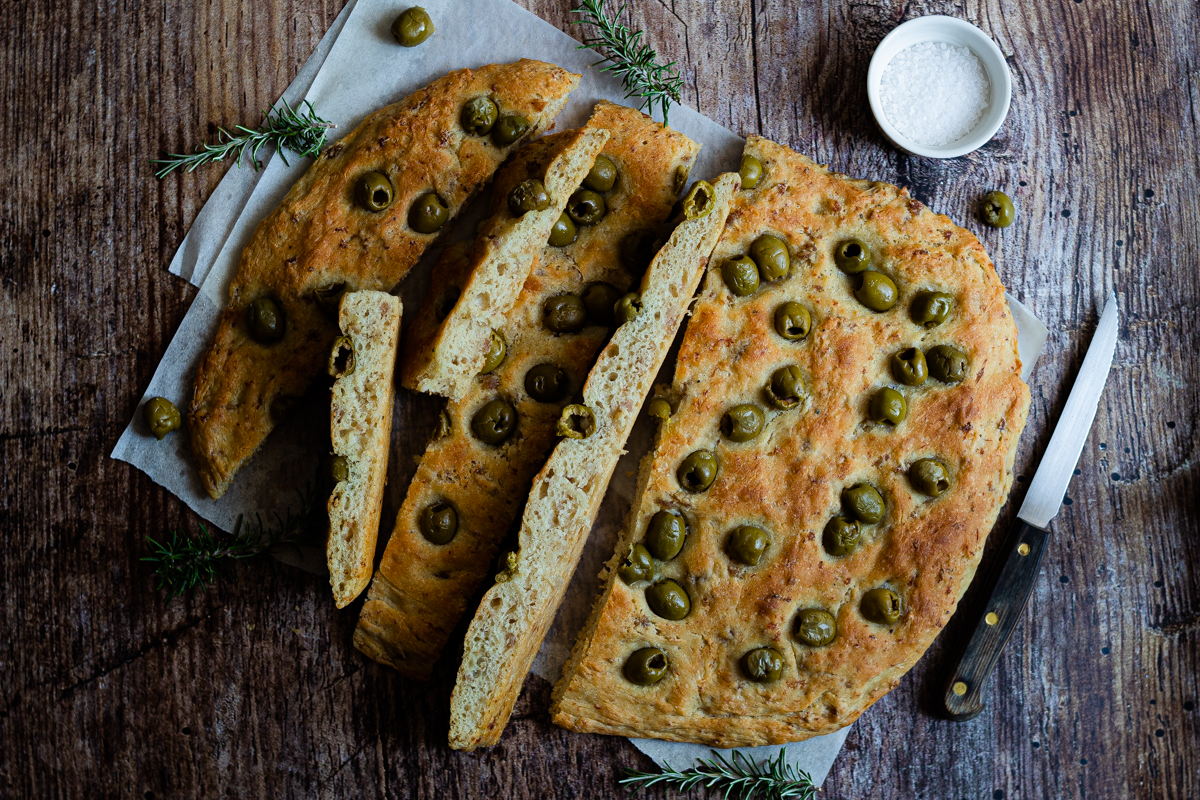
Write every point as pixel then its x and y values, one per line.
pixel 253 689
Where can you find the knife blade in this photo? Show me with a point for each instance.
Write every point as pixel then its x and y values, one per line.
pixel 963 695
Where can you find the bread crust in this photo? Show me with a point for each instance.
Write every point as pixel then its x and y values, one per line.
pixel 318 237
pixel 421 590
pixel 789 479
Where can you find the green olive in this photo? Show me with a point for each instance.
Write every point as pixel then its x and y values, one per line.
pixel 888 407
pixel 265 320
pixel 412 27
pixel 338 469
pixel 771 255
pixel 637 566
pixel 586 207
pixel 929 476
pixel 841 536
pixel 763 665
pixel 815 627
pixel 509 128
pixel 881 606
pixel 374 191
pixel 876 291
pixel 669 600
pixel 747 543
pixel 930 309
pixel 479 115
pixel 665 534
pixel 577 422
pixel 699 201
pixel 428 214
pixel 751 171
pixel 329 299
pixel 743 422
pixel 563 232
pixel 161 416
pixel 341 357
pixel 741 275
pixel 494 422
pixel 627 308
pixel 682 173
pixel 947 364
pixel 908 366
pixel 546 383
pixel 528 195
pixel 863 502
pixel 792 321
pixel 444 426
pixel 564 313
pixel 438 522
pixel 998 210
pixel 599 299
pixel 852 256
pixel 637 250
pixel 444 303
pixel 659 409
pixel 786 388
pixel 698 471
pixel 646 667
pixel 602 175
pixel 495 353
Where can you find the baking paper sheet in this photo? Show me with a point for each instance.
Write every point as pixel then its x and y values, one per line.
pixel 357 68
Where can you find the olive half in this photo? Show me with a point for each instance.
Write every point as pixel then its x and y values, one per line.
pixel 438 522
pixel 659 408
pixel 792 321
pixel 771 255
pixel 428 214
pixel 602 175
pixel 412 27
pixel 161 416
pixel 373 191
pixel 747 543
pixel 909 367
pixel 646 667
pixel 479 115
pixel 494 422
pixel 841 536
pixel 750 171
pixel 564 313
pixel 698 471
pixel 864 503
pixel 741 275
pixel 665 534
pixel 930 309
pixel 682 173
pixel 763 665
pixel 699 200
pixel 669 600
pixel 627 308
pixel 881 606
pixel 786 388
pixel 337 469
pixel 546 383
pixel 947 364
pixel 742 423
pixel 637 566
pixel 265 320
pixel 929 476
pixel 888 407
pixel 495 354
pixel 577 422
pixel 815 627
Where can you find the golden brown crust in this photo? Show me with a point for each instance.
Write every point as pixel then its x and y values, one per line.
pixel 318 236
pixel 421 590
pixel 789 479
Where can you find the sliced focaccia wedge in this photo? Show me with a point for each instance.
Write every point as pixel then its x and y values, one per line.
pixel 361 361
pixel 359 218
pixel 468 490
pixel 515 614
pixel 847 403
pixel 449 342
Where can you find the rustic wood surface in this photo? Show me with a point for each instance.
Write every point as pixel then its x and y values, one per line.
pixel 253 689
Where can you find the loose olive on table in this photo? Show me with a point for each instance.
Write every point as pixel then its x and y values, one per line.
pixel 373 191
pixel 864 503
pixel 599 299
pixel 602 175
pixel 586 207
pixel 741 275
pixel 881 606
pixel 998 210
pixel 627 308
pixel 770 254
pixel 750 171
pixel 438 522
pixel 929 476
pixel 786 388
pixel 412 27
pixel 646 667
pixel 841 536
pixel 815 627
pixel 528 195
pixel 742 422
pixel 909 367
pixel 637 566
pixel 852 256
pixel 876 291
pixel 698 471
pixel 947 364
pixel 509 128
pixel 495 354
pixel 428 214
pixel 494 422
pixel 792 321
pixel 930 309
pixel 546 383
pixel 161 416
pixel 479 115
pixel 265 320
pixel 747 544
pixel 576 422
pixel 699 200
pixel 888 407
pixel 669 600
pixel 763 665
pixel 564 313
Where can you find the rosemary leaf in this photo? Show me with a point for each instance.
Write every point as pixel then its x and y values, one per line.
pixel 739 776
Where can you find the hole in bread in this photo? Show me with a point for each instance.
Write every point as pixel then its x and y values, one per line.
pixel 496 602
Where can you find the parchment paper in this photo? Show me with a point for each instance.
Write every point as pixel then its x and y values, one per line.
pixel 356 69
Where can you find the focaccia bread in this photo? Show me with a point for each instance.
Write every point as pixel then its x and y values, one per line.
pixel 514 615
pixel 322 240
pixel 362 361
pixel 446 349
pixel 422 588
pixel 772 623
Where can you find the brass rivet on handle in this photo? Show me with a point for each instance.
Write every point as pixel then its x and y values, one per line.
pixel 959 688
pixel 1023 549
pixel 991 618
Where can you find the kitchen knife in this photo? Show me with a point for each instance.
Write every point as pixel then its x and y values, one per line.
pixel 1022 553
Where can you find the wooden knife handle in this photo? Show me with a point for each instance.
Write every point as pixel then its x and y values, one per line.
pixel 963 694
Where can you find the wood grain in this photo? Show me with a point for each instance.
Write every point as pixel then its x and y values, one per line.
pixel 252 689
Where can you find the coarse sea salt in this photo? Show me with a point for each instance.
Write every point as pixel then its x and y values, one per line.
pixel 934 93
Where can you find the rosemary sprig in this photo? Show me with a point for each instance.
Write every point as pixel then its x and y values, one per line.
pixel 183 563
pixel 739 776
pixel 634 62
pixel 298 130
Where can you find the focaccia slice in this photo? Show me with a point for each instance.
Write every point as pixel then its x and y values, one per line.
pixel 321 241
pixel 841 622
pixel 362 361
pixel 421 588
pixel 515 614
pixel 446 348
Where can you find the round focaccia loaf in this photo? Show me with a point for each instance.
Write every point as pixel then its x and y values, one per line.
pixel 319 240
pixel 789 479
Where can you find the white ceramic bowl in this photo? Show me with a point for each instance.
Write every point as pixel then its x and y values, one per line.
pixel 961 34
